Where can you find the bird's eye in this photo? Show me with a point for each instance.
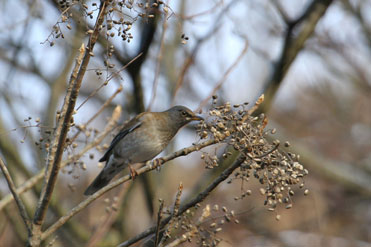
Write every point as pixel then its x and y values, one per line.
pixel 184 113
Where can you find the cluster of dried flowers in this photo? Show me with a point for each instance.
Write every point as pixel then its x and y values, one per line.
pixel 276 169
pixel 121 15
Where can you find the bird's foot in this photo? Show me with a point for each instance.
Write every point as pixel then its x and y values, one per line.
pixel 157 163
pixel 133 172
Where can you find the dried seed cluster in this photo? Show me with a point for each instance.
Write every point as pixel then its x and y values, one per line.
pixel 277 170
pixel 120 16
pixel 204 230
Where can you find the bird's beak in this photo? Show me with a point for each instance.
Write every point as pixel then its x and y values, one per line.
pixel 196 118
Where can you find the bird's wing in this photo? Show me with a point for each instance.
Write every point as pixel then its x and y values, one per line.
pixel 129 127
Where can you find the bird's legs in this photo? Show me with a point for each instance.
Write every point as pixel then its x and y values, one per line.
pixel 156 163
pixel 133 172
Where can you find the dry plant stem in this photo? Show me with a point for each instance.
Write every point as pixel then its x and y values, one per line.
pixel 183 238
pixel 94 93
pixel 124 67
pixel 158 63
pixel 195 228
pixel 57 148
pixel 13 190
pixel 254 108
pixel 199 198
pixel 35 179
pixel 105 226
pixel 174 213
pixel 224 77
pixel 212 9
pixel 98 112
pixel 190 59
pixel 159 218
pixel 148 167
pixel 103 85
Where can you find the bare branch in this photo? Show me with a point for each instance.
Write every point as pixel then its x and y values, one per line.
pixel 293 44
pixel 158 63
pixel 57 147
pixel 199 198
pixel 159 218
pixel 148 167
pixel 56 150
pixel 108 101
pixel 36 178
pixel 224 77
pixel 13 190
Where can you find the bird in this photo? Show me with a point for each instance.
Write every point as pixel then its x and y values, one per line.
pixel 139 140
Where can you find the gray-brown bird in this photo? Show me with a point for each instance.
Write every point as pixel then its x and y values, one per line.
pixel 140 140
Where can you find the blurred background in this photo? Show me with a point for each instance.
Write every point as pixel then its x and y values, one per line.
pixel 311 59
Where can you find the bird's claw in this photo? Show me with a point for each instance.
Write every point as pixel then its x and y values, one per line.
pixel 156 163
pixel 133 172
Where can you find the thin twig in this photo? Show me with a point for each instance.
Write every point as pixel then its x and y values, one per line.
pixel 159 218
pixel 199 198
pixel 108 79
pixel 108 101
pixel 148 167
pixel 158 63
pixel 13 190
pixel 189 61
pixel 174 213
pixel 36 178
pixel 254 108
pixel 57 147
pixel 125 66
pixel 225 75
pixel 105 226
pixel 212 9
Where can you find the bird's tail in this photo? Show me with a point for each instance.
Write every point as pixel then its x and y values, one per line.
pixel 99 182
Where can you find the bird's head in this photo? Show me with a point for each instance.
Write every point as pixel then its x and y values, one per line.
pixel 181 115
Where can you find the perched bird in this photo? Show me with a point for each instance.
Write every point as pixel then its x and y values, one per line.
pixel 140 140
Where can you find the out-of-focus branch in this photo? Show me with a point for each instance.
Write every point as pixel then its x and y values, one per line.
pixel 298 32
pixel 358 14
pixel 13 190
pixel 348 175
pixel 108 101
pixel 190 59
pixel 199 198
pixel 35 179
pixel 224 77
pixel 158 63
pixel 105 226
pixel 148 32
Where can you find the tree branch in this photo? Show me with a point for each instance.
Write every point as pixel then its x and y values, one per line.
pixel 223 176
pixel 293 44
pixel 13 190
pixel 36 178
pixel 148 167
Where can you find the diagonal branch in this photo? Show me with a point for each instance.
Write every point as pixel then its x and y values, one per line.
pixel 13 190
pixel 36 178
pixel 298 32
pixel 199 198
pixel 56 150
pixel 225 76
pixel 148 167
